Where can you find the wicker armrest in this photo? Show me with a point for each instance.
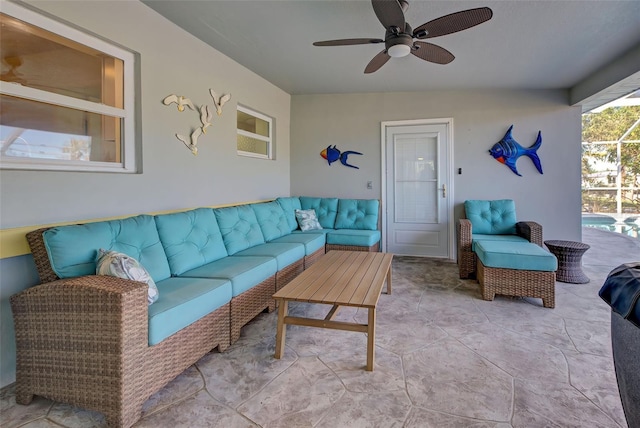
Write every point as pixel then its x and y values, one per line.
pixel 530 230
pixel 464 234
pixel 78 338
pixel 105 307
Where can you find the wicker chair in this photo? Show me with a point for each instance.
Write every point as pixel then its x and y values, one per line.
pixel 84 341
pixel 467 266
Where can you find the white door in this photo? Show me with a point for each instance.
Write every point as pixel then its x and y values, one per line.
pixel 417 190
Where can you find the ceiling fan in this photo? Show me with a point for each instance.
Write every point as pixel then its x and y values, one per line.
pixel 399 38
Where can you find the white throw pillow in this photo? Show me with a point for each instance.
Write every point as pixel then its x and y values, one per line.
pixel 120 265
pixel 307 220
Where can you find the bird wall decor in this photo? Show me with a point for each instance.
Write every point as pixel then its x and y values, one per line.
pixel 192 143
pixel 181 101
pixel 205 117
pixel 219 101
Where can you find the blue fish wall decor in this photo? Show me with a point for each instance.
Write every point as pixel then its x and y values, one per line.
pixel 331 154
pixel 507 151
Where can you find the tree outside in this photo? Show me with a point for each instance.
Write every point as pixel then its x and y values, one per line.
pixel 611 160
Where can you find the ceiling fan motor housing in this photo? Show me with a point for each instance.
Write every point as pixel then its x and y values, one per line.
pixel 398 44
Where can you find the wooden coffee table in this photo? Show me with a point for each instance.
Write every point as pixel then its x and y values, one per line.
pixel 339 278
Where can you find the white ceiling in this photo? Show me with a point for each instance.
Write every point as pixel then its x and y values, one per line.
pixel 528 44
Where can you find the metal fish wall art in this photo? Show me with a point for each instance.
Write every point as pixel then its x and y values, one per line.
pixel 507 151
pixel 331 154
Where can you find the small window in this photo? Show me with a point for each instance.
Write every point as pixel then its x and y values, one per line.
pixel 255 133
pixel 66 98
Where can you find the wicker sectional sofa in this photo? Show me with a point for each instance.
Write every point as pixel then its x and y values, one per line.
pixel 94 341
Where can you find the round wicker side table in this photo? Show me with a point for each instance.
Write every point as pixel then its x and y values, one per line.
pixel 569 255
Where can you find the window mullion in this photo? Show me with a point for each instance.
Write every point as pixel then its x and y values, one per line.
pixel 61 100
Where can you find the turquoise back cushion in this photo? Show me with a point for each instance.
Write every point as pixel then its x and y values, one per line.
pixel 190 239
pixel 73 249
pixel 239 227
pixel 361 214
pixel 326 209
pixel 272 220
pixel 289 206
pixel 491 217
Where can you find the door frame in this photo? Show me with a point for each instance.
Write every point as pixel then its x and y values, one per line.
pixel 448 122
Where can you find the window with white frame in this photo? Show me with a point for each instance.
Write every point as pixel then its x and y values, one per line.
pixel 255 134
pixel 67 98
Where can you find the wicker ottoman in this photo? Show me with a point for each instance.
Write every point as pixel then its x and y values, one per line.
pixel 516 269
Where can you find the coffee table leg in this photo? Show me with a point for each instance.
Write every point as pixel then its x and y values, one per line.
pixel 371 339
pixel 389 281
pixel 281 330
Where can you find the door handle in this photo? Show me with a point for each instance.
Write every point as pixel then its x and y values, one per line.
pixel 444 190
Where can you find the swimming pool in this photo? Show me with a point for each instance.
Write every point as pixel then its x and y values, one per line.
pixel 629 226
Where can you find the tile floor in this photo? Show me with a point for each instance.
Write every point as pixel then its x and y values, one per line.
pixel 444 358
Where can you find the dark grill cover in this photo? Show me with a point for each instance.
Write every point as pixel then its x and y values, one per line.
pixel 621 291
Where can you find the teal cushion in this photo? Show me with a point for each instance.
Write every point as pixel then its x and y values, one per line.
pixel 285 253
pixel 312 241
pixel 272 220
pixel 289 206
pixel 515 255
pixel 491 217
pixel 239 227
pixel 325 208
pixel 244 272
pixel 184 301
pixel 73 249
pixel 360 238
pixel 324 231
pixel 190 239
pixel 475 237
pixel 357 214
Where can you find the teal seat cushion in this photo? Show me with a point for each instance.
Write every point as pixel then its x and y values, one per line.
pixel 272 220
pixel 184 301
pixel 73 250
pixel 243 272
pixel 491 217
pixel 515 255
pixel 475 237
pixel 361 238
pixel 326 209
pixel 190 239
pixel 361 214
pixel 239 227
pixel 312 231
pixel 312 241
pixel 289 206
pixel 285 253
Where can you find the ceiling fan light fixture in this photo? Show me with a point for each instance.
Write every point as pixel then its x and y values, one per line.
pixel 399 50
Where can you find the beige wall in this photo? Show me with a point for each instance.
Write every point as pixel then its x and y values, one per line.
pixel 481 118
pixel 171 61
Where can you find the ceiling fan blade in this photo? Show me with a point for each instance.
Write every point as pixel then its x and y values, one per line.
pixel 377 62
pixel 432 53
pixel 390 13
pixel 453 23
pixel 347 42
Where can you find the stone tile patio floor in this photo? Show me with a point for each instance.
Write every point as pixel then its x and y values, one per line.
pixel 444 358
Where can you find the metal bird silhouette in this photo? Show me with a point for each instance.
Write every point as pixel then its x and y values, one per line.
pixel 181 101
pixel 205 117
pixel 219 102
pixel 193 144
